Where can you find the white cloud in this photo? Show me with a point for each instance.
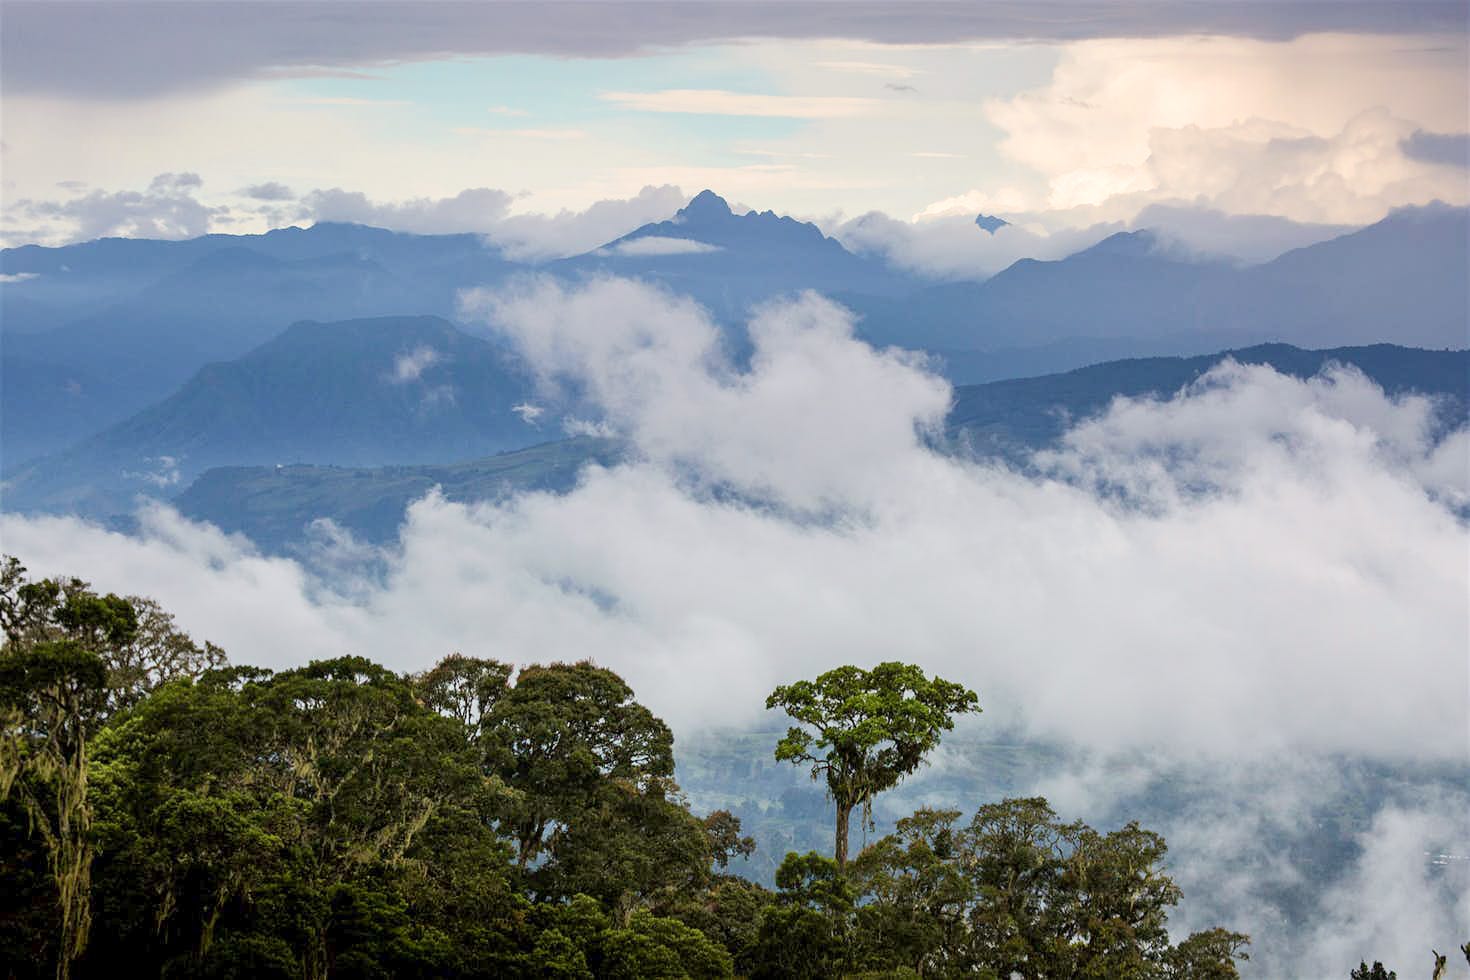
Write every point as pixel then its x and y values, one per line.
pixel 410 366
pixel 522 235
pixel 1280 559
pixel 658 245
pixel 17 276
pixel 167 208
pixel 1257 578
pixel 472 210
pixel 163 472
pixel 718 102
pixel 954 247
pixel 531 235
pixel 1394 904
pixel 1310 129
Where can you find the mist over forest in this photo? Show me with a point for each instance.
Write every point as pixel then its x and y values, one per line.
pixel 434 528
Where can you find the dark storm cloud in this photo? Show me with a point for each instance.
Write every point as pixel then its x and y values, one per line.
pixel 129 50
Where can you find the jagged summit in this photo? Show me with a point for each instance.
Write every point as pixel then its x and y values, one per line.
pixel 990 223
pixel 704 206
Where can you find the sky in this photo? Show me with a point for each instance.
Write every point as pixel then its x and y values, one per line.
pixel 1254 580
pixel 173 119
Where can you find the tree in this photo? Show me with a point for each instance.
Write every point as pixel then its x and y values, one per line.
pixel 919 895
pixel 464 688
pixel 69 661
pixel 807 931
pixel 50 697
pixel 866 730
pixel 556 739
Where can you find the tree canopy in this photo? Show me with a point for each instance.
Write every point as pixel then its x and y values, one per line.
pixel 166 810
pixel 865 730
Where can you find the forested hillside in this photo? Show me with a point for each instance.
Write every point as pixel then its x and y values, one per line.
pixel 166 809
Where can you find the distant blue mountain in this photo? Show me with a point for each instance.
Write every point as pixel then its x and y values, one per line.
pixel 1008 419
pixel 361 392
pixel 144 315
pixel 273 505
pixel 93 333
pixel 1012 417
pixel 731 261
pixel 1404 280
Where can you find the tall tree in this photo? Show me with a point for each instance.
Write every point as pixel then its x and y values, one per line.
pixel 559 736
pixel 865 730
pixel 69 660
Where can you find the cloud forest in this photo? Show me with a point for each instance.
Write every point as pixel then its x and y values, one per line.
pixel 640 489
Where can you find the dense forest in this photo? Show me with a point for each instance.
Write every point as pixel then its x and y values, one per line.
pixel 164 812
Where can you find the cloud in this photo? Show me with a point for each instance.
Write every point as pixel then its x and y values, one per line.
pixel 17 276
pixel 530 414
pixel 1312 129
pixel 1253 580
pixel 658 245
pixel 1394 903
pixel 410 366
pixel 718 102
pixel 1249 238
pixel 168 209
pixel 102 51
pixel 953 247
pixel 1277 553
pixel 1449 149
pixel 532 236
pixel 944 243
pixel 271 191
pixel 163 474
pixel 472 210
pixel 524 236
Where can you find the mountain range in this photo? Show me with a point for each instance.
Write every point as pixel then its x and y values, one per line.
pixel 360 392
pixel 130 364
pixel 1402 280
pixel 273 505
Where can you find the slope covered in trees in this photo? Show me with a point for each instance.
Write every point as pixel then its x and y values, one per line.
pixel 164 809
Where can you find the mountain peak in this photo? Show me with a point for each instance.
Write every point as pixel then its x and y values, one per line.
pixel 1140 243
pixel 990 223
pixel 705 205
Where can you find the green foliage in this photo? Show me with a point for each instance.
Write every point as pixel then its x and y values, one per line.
pixel 1018 892
pixel 342 820
pixel 561 738
pixel 919 894
pixel 70 660
pixel 865 730
pixel 808 931
pixel 1374 972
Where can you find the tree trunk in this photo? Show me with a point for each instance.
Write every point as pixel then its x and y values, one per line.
pixel 844 813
